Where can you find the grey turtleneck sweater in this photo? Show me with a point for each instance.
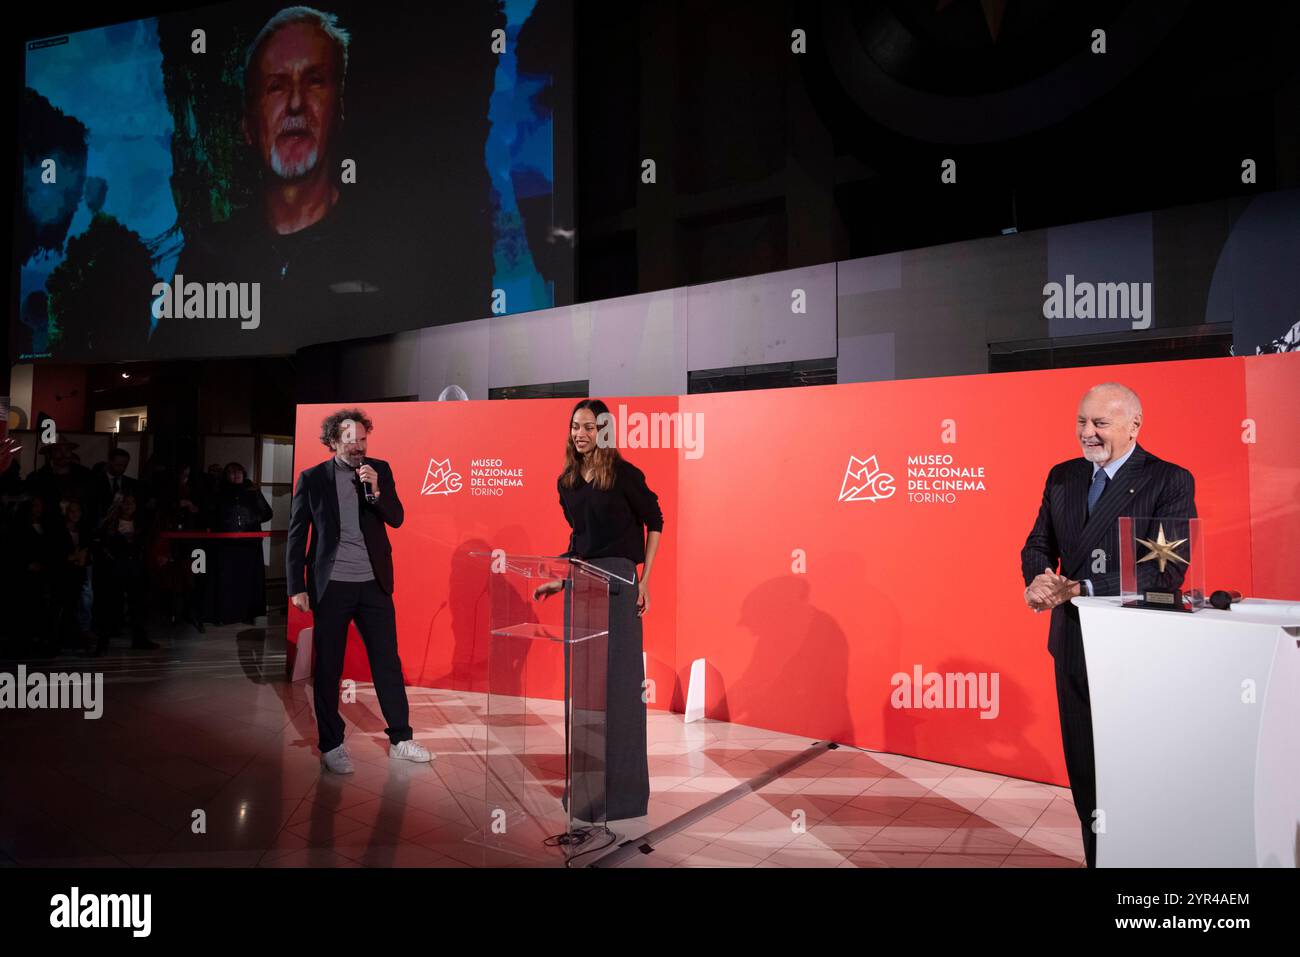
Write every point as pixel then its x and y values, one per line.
pixel 352 561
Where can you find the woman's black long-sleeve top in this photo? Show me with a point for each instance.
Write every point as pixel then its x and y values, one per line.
pixel 611 523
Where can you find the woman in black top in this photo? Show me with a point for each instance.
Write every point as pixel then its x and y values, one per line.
pixel 238 505
pixel 616 523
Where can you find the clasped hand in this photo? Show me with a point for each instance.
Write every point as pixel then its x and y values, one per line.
pixel 1049 589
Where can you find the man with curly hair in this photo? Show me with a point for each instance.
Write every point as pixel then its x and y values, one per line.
pixel 345 574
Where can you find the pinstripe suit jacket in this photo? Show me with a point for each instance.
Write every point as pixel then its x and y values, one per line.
pixel 1065 537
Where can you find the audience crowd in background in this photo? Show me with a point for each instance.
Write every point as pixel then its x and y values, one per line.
pixel 84 559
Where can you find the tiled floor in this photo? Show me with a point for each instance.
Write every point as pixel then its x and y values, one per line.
pixel 205 756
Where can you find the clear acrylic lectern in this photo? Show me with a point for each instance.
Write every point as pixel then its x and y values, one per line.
pixel 544 748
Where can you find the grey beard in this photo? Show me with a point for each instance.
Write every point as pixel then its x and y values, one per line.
pixel 293 170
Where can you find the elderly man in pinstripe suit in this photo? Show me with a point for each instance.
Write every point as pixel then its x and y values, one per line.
pixel 1074 550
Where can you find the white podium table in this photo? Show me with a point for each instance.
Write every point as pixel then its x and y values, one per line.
pixel 1196 733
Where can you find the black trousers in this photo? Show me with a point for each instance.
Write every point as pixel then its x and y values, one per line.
pixel 605 710
pixel 372 609
pixel 1075 708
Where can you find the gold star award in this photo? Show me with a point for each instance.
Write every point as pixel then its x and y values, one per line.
pixel 1162 551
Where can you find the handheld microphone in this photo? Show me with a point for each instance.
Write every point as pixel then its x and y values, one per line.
pixel 368 489
pixel 1224 599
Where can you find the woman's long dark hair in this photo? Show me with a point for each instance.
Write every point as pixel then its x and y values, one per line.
pixel 603 460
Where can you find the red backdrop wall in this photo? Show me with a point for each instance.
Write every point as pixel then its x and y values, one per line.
pixel 805 606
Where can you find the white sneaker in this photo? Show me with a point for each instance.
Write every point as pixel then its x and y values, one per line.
pixel 410 751
pixel 337 761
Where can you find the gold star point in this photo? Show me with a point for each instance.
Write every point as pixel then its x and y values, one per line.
pixel 1162 550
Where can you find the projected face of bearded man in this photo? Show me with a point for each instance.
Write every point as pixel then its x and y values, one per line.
pixel 294 112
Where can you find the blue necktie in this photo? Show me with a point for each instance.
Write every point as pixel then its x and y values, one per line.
pixel 1098 486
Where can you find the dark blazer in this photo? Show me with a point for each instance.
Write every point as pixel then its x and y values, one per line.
pixel 1064 533
pixel 316 506
pixel 101 493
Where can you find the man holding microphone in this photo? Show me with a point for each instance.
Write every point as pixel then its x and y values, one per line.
pixel 345 574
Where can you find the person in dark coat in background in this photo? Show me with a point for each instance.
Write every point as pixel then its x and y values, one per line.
pixel 34 562
pixel 70 543
pixel 240 589
pixel 60 479
pixel 238 506
pixel 121 574
pixel 182 507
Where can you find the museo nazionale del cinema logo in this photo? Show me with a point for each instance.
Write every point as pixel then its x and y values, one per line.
pixel 487 477
pixel 932 479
